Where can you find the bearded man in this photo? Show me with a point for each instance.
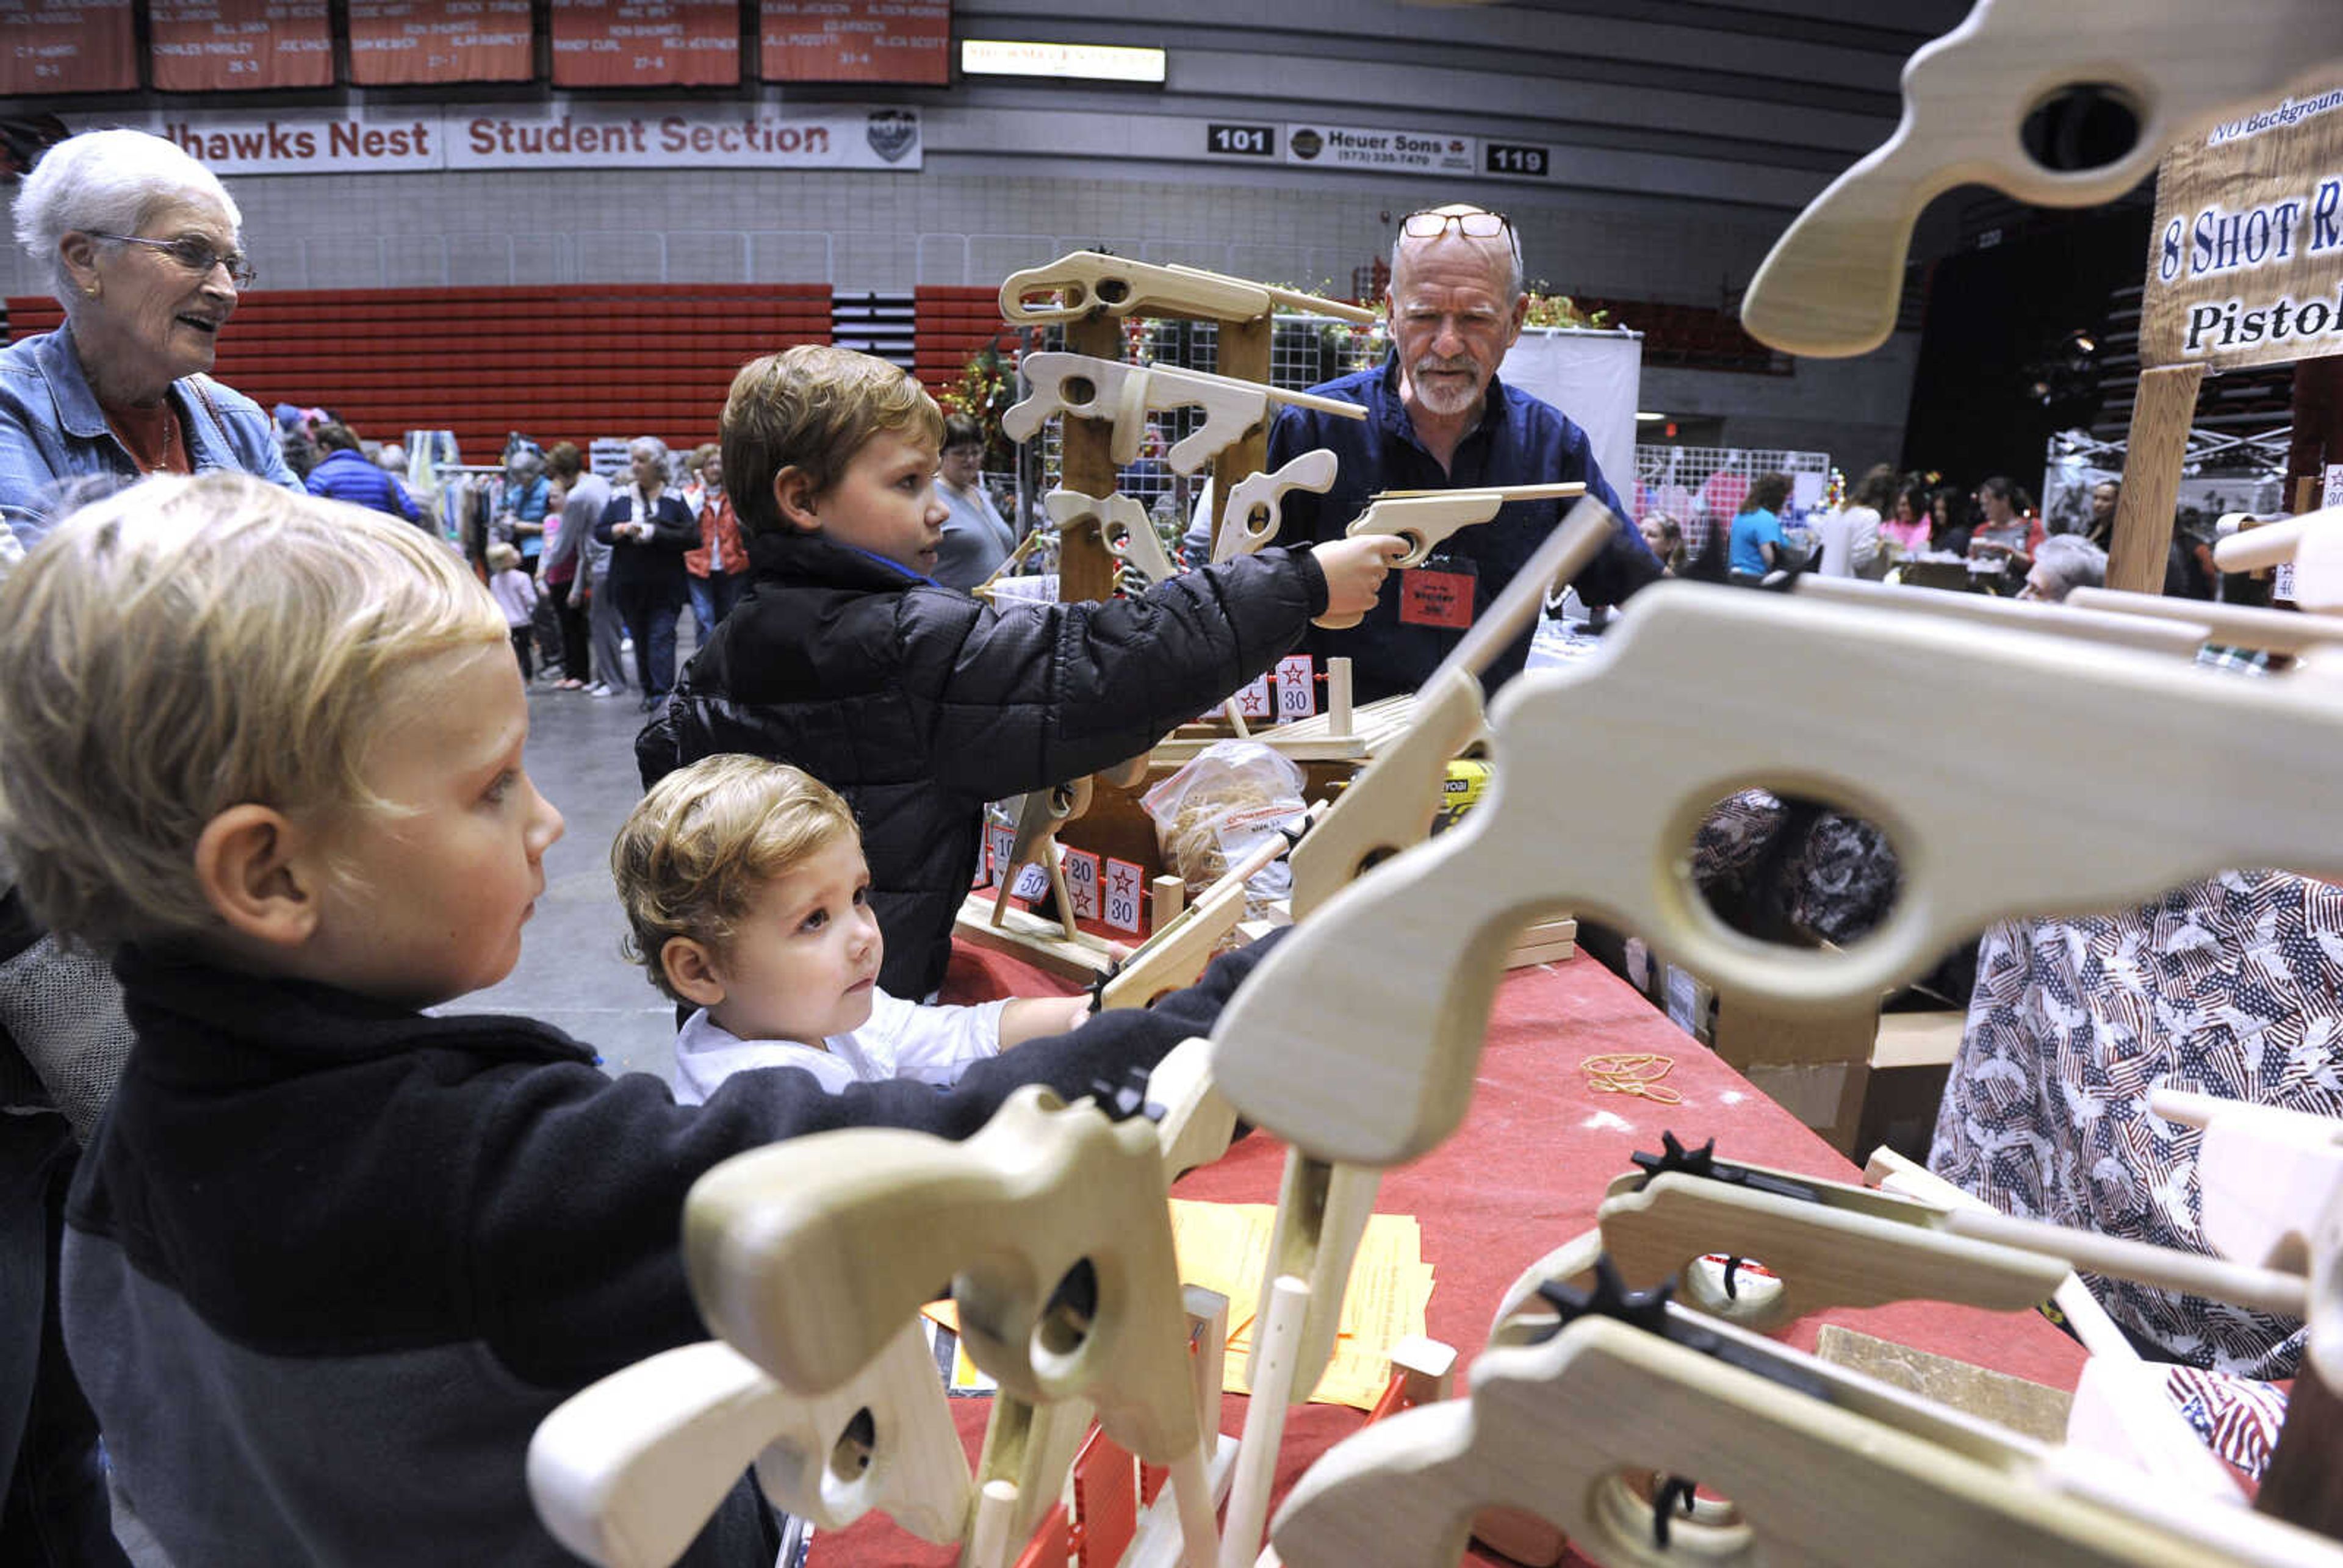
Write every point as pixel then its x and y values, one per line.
pixel 1439 418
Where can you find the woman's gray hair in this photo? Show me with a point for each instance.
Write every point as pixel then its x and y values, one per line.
pixel 2074 561
pixel 108 182
pixel 658 447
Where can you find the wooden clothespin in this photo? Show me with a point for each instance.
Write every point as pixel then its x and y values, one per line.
pixel 1049 1222
pixel 1093 388
pixel 625 1472
pixel 1832 283
pixel 1083 281
pixel 1631 1386
pixel 1252 515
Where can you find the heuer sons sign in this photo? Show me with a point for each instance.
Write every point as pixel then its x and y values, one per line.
pixel 556 136
pixel 2245 265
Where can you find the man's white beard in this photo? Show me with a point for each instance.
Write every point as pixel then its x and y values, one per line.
pixel 1442 397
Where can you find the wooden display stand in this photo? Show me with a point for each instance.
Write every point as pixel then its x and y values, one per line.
pixel 1092 294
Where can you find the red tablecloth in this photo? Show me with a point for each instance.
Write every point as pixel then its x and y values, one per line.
pixel 1523 1175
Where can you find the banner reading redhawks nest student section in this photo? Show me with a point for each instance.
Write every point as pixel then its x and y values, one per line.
pixel 552 135
pixel 2245 265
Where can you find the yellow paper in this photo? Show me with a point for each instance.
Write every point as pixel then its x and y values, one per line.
pixel 1225 1247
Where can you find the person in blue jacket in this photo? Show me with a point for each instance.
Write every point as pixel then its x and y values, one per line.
pixel 346 474
pixel 1439 418
pixel 144 248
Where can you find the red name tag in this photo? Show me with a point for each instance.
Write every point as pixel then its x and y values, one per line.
pixel 1429 597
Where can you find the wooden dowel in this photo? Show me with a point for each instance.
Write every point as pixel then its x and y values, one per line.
pixel 1191 1493
pixel 988 1533
pixel 1337 696
pixel 2240 626
pixel 2265 1290
pixel 1279 1325
pixel 1511 492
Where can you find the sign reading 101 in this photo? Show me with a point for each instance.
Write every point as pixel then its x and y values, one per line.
pixel 1241 141
pixel 1513 158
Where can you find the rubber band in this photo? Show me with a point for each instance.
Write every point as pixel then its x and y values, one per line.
pixel 1636 1072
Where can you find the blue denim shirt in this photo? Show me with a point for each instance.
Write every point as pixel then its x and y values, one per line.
pixel 1521 440
pixel 52 432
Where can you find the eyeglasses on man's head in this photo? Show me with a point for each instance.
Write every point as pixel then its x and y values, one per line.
pixel 1474 225
pixel 194 254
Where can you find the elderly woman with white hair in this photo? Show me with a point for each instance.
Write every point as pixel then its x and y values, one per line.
pixel 142 247
pixel 2062 563
pixel 648 529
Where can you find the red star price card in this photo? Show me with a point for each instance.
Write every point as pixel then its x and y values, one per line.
pixel 1297 689
pixel 1123 903
pixel 1253 701
pixel 999 844
pixel 1082 882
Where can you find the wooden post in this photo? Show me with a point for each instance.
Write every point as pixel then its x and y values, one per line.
pixel 1085 566
pixel 2160 417
pixel 1244 353
pixel 2303 1484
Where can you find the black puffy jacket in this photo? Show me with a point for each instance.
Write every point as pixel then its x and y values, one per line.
pixel 918 703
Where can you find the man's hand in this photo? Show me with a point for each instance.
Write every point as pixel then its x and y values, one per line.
pixel 1355 570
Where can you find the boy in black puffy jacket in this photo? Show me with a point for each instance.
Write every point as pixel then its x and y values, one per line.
pixel 913 700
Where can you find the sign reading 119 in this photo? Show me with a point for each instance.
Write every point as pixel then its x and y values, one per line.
pixel 1513 158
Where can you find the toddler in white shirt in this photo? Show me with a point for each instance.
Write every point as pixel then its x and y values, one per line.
pixel 747 895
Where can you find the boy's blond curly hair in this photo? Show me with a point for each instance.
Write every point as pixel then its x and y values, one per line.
pixel 187 645
pixel 812 407
pixel 695 853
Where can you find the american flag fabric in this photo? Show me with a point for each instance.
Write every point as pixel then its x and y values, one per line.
pixel 2237 1417
pixel 2230 987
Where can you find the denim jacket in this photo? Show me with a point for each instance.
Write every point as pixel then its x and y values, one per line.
pixel 52 432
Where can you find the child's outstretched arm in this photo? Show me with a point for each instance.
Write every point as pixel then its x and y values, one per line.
pixel 1026 696
pixel 1031 1017
pixel 572 1191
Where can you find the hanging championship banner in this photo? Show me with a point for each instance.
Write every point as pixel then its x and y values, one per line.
pixel 240 46
pixel 394 43
pixel 51 46
pixel 2245 263
pixel 623 43
pixel 898 41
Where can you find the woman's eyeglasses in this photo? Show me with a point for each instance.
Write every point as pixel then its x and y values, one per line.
pixel 196 255
pixel 1470 225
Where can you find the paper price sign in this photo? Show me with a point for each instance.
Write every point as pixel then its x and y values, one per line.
pixel 999 844
pixel 1253 701
pixel 1082 882
pixel 1297 692
pixel 1032 882
pixel 1122 901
